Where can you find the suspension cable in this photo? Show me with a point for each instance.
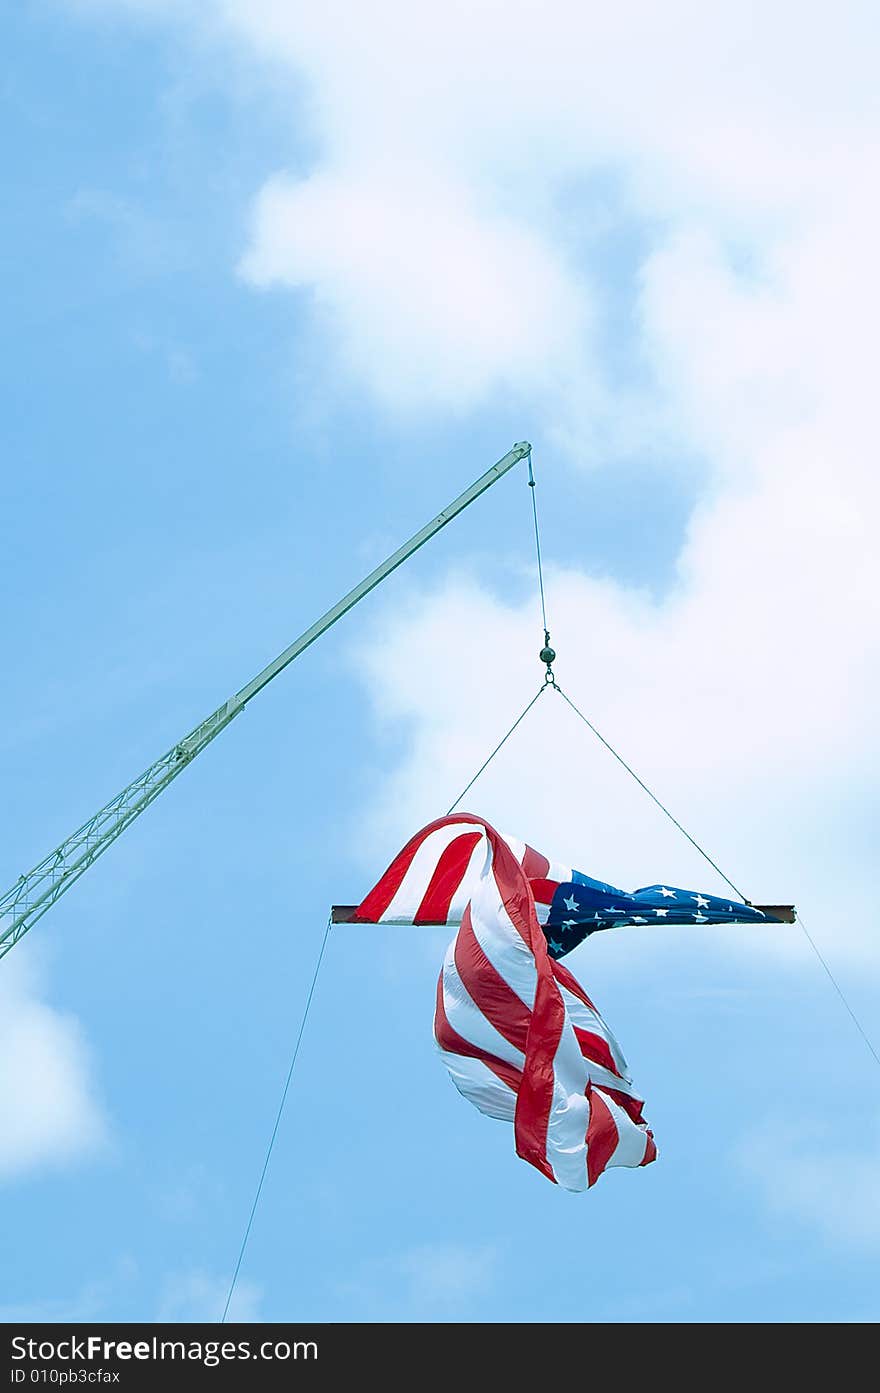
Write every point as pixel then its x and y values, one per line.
pixel 503 741
pixel 548 656
pixel 833 980
pixel 284 1092
pixel 538 549
pixel 662 806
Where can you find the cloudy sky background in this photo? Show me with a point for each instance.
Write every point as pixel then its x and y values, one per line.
pixel 278 285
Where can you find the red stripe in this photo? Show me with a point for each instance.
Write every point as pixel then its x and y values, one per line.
pixel 544 890
pixel 650 1151
pixel 631 1105
pixel 371 909
pixel 595 1049
pixel 449 1039
pixel 447 877
pixel 535 866
pixel 593 1045
pixel 602 1135
pixel 487 988
pixel 535 1097
pixel 536 1091
pixel 565 979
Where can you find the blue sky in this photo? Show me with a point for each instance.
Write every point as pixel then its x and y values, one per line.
pixel 273 294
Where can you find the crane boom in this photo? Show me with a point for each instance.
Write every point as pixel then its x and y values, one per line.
pixel 36 891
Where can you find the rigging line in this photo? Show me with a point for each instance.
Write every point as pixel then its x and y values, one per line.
pixel 651 795
pixel 538 549
pixel 833 980
pixel 247 1232
pixel 522 715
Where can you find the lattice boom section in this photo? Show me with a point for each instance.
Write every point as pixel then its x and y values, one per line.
pixel 32 894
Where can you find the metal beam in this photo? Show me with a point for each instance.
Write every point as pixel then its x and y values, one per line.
pixel 344 914
pixel 35 892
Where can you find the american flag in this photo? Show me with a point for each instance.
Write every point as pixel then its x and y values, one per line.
pixel 519 1036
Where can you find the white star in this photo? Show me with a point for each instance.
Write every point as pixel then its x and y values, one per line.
pixel 700 918
pixel 637 920
pixel 667 894
pixel 571 903
pixel 569 923
pixel 701 902
pixel 661 913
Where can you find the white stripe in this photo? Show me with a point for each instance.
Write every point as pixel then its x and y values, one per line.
pixel 632 1140
pixel 569 1113
pixel 476 1081
pixel 411 891
pixel 603 1078
pixel 469 881
pixel 503 945
pixel 581 1016
pixel 561 874
pixel 517 847
pixel 467 1019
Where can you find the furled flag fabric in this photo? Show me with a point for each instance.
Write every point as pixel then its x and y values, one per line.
pixel 518 1034
pixel 433 877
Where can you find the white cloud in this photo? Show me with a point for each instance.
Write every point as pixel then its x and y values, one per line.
pixel 434 300
pixel 48 1099
pixel 454 228
pixel 437 229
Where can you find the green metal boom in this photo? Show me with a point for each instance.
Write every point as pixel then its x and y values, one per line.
pixel 34 893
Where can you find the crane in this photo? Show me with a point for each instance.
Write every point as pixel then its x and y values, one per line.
pixel 36 891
